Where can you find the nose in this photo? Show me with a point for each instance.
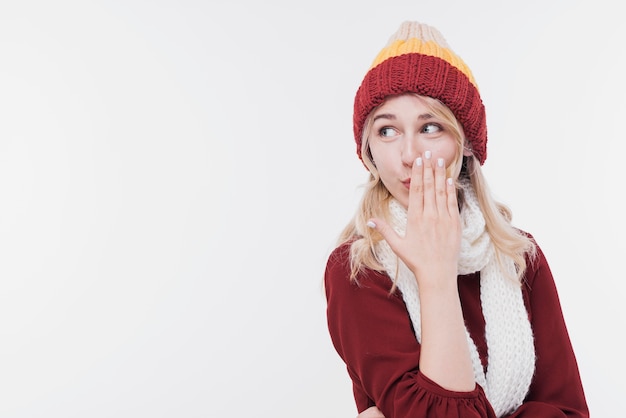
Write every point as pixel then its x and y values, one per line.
pixel 410 150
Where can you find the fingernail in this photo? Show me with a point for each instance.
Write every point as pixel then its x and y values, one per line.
pixel 450 181
pixel 371 224
pixel 418 161
pixel 427 155
pixel 440 162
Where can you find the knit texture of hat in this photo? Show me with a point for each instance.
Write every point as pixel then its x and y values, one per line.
pixel 418 59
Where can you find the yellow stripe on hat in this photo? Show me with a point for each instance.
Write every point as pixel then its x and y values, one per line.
pixel 431 48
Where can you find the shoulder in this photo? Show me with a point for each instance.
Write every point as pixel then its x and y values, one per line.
pixel 536 263
pixel 338 270
pixel 339 258
pixel 337 276
pixel 535 259
pixel 539 287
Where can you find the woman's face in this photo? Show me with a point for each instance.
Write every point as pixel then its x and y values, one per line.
pixel 404 128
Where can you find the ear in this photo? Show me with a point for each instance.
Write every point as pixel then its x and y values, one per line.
pixel 467 151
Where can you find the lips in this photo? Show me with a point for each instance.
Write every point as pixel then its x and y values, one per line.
pixel 407 183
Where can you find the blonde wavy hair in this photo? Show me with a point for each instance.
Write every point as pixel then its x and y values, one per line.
pixel 508 240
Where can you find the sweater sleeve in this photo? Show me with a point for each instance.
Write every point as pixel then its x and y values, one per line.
pixel 372 333
pixel 556 390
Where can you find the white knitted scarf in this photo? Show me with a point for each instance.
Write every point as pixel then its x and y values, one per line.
pixel 510 346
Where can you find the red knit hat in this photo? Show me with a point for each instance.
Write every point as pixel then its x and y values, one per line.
pixel 418 59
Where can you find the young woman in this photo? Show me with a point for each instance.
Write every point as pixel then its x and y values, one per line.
pixel 438 306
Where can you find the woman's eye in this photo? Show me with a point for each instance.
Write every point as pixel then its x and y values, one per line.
pixel 431 128
pixel 387 132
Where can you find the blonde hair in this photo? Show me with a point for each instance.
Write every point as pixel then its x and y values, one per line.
pixel 508 240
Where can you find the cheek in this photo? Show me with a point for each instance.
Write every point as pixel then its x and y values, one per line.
pixel 383 157
pixel 452 159
pixel 453 170
pixel 448 153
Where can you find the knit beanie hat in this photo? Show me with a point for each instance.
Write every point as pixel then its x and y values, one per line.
pixel 418 59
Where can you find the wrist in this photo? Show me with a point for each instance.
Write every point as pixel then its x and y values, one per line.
pixel 437 282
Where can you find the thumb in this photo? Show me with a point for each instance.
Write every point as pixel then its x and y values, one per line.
pixel 383 228
pixel 371 412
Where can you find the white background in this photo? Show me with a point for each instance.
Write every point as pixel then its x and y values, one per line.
pixel 173 175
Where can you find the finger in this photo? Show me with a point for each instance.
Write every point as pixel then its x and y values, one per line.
pixel 416 190
pixel 453 206
pixel 429 183
pixel 441 189
pixel 388 233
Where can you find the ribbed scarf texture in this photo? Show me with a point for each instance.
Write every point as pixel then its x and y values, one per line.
pixel 510 345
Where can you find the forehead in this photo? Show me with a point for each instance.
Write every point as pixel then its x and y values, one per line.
pixel 406 105
pixel 403 101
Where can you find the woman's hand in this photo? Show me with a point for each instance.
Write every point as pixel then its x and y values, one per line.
pixel 430 248
pixel 431 245
pixel 371 412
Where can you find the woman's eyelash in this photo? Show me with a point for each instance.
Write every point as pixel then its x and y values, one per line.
pixel 438 128
pixel 427 128
pixel 382 131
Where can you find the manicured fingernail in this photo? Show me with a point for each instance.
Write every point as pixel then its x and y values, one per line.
pixel 427 155
pixel 371 224
pixel 450 181
pixel 418 161
pixel 440 162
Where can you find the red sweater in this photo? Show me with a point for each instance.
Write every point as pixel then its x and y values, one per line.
pixel 372 333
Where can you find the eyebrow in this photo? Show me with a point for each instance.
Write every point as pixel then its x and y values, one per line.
pixel 384 116
pixel 391 116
